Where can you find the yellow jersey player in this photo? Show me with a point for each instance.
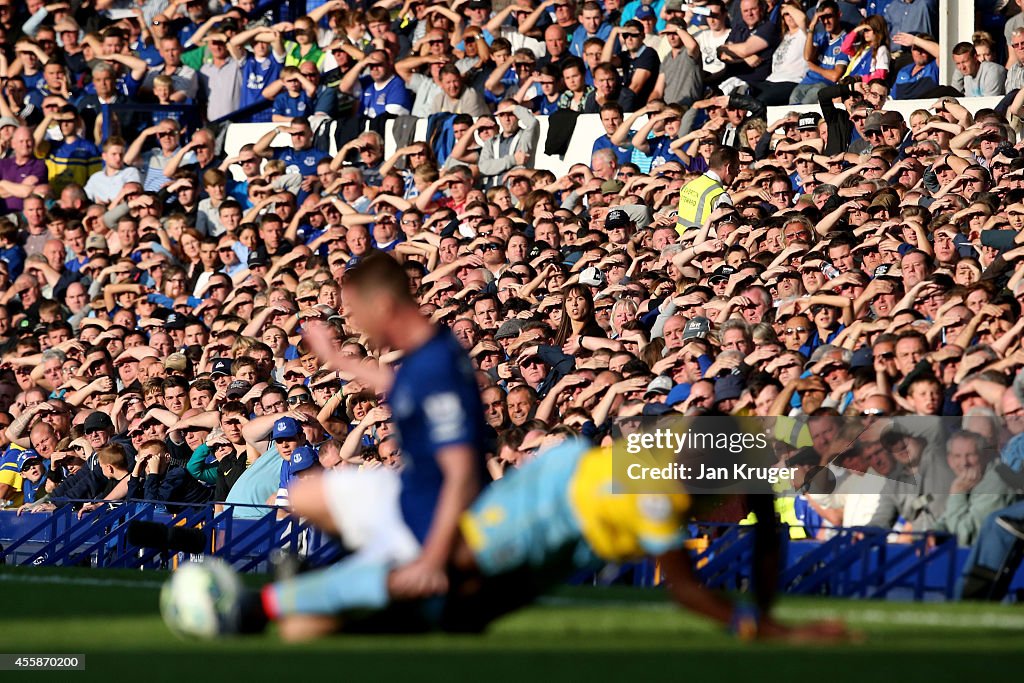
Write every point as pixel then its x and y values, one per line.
pixel 557 516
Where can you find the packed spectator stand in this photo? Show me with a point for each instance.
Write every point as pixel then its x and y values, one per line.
pixel 186 184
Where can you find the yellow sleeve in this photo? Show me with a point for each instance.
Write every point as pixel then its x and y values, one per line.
pixel 659 521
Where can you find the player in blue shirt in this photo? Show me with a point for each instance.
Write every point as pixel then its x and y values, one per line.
pixel 403 526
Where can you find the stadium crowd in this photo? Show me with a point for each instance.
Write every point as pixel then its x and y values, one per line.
pixel 171 316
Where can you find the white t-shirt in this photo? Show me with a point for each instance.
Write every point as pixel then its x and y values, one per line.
pixel 103 188
pixel 788 63
pixel 709 44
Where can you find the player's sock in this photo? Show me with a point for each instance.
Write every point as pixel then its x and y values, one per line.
pixel 350 584
pixel 252 613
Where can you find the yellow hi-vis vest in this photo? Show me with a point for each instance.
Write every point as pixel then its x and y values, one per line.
pixel 696 199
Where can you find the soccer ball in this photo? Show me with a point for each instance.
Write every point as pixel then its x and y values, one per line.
pixel 202 600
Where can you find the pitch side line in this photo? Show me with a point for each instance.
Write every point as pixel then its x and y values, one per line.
pixel 913 615
pixel 78 581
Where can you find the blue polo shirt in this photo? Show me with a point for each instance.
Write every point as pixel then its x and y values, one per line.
pixel 580 35
pixel 906 79
pixel 624 154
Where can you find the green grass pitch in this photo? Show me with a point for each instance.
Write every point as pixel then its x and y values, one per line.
pixel 580 634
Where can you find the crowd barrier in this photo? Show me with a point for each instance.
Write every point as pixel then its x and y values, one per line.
pixel 854 563
pixel 105 539
pixel 588 129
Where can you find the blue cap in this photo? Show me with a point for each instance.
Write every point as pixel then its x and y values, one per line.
pixel 25 457
pixel 728 387
pixel 285 428
pixel 656 409
pixel 677 394
pixel 303 458
pixel 862 358
pixel 644 12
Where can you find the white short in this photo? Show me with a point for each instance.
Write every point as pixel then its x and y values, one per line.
pixel 365 509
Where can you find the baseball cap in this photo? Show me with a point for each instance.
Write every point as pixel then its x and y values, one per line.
pixel 721 274
pixel 509 329
pixel 862 358
pixel 728 387
pixel 592 277
pixel 884 201
pixel 303 458
pixel 238 388
pixel 257 258
pixel 659 386
pixel 97 421
pixel 96 242
pixel 174 321
pixel 892 118
pixel 27 458
pixel 8 121
pixel 616 218
pixel 644 12
pixel 176 361
pixel 220 366
pixel 612 187
pixel 808 121
pixel 697 328
pixel 285 427
pixel 873 121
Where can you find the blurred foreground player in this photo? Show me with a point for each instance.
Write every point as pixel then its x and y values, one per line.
pixel 401 527
pixel 534 529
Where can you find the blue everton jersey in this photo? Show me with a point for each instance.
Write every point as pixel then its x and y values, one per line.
pixel 300 161
pixel 436 404
pixel 830 55
pixel 390 98
pixel 257 75
pixel 300 106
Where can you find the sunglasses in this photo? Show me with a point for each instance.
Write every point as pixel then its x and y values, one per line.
pixel 298 399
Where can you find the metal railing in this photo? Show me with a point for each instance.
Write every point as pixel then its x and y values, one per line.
pixel 102 538
pixel 855 563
